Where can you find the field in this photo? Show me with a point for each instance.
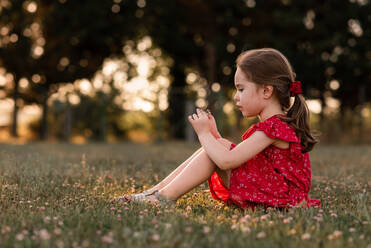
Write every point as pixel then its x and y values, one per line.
pixel 59 195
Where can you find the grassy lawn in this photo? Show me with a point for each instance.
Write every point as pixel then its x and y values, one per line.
pixel 58 195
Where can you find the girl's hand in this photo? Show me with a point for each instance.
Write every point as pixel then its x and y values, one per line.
pixel 200 122
pixel 212 124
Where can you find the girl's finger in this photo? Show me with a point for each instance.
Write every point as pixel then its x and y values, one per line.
pixel 209 113
pixel 194 116
pixel 200 112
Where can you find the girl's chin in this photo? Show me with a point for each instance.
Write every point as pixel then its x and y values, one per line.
pixel 247 115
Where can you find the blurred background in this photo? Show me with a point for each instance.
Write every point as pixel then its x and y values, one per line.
pixel 102 70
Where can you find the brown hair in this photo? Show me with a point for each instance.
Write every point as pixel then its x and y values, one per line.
pixel 269 66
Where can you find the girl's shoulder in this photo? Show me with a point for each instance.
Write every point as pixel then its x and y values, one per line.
pixel 276 128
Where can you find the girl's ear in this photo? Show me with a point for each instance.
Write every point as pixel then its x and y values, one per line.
pixel 267 91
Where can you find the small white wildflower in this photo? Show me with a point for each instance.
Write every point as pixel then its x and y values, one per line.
pixel 155 237
pixel 305 236
pixel 261 235
pixel 44 234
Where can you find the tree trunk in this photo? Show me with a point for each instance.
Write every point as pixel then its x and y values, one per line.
pixel 159 125
pixel 67 122
pixel 14 129
pixel 44 117
pixel 176 110
pixel 362 100
pixel 102 121
pixel 322 120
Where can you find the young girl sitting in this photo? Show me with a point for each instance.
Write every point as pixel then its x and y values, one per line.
pixel 271 166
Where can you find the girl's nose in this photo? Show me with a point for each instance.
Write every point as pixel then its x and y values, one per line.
pixel 235 98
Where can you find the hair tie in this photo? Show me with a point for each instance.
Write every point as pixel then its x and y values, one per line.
pixel 295 88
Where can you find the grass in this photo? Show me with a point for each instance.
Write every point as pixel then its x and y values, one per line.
pixel 58 195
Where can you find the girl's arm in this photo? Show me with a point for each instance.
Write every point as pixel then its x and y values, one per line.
pixel 223 158
pixel 244 151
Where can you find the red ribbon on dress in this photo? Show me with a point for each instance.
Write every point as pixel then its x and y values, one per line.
pixel 295 88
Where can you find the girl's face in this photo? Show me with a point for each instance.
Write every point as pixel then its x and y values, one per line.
pixel 248 97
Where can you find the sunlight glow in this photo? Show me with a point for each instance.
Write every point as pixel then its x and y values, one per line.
pixel 191 78
pixel 201 103
pixel 228 107
pixel 139 104
pixel 309 19
pixel 98 82
pixel 141 3
pixel 64 61
pixel 163 81
pixel 4 30
pixel 231 47
pixel 37 51
pixel 109 67
pixel 36 78
pixel 84 85
pixel 31 6
pixel 143 66
pixel 13 38
pixel 227 70
pixel 2 80
pixel 143 92
pixel 163 102
pixel 366 113
pixel 354 26
pixel 119 78
pixel 144 44
pixel 332 102
pixel 26 114
pixel 74 99
pixel 29 113
pixel 215 87
pixel 115 8
pixel 314 106
pixel 23 83
pixel 201 92
pixel 136 84
pixel 250 3
pixel 334 84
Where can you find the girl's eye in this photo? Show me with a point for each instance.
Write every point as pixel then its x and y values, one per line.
pixel 240 90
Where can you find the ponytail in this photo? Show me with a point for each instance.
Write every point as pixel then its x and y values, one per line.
pixel 298 117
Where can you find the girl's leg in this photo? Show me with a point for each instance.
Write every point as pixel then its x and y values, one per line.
pixel 198 170
pixel 175 172
pixel 223 174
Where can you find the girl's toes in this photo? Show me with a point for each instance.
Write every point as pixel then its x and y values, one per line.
pixel 120 199
pixel 152 198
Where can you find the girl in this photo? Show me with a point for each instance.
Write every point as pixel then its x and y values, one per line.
pixel 271 166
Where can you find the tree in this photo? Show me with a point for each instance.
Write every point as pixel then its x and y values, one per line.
pixel 70 39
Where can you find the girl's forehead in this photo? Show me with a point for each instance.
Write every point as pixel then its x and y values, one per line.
pixel 240 78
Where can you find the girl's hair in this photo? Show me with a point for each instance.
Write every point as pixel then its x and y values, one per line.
pixel 269 66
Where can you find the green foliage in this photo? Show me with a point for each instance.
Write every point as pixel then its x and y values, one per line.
pixel 60 195
pixel 326 40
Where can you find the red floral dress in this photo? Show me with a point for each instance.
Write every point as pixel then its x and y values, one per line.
pixel 275 177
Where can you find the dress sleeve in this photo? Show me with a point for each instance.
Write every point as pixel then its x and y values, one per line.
pixel 233 145
pixel 277 129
